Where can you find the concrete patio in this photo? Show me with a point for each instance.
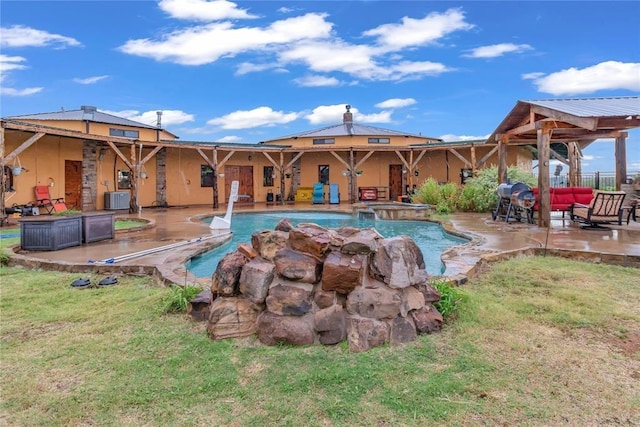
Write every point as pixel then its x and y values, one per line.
pixel 174 235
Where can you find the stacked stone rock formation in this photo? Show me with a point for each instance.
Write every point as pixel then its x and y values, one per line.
pixel 307 284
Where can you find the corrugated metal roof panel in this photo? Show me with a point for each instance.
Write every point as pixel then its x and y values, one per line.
pixel 349 129
pixel 593 107
pixel 82 115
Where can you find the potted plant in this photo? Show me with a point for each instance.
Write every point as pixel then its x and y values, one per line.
pixel 359 172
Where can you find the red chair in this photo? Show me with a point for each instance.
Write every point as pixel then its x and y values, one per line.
pixel 44 200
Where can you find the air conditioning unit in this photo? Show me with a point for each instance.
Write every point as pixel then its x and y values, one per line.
pixel 116 200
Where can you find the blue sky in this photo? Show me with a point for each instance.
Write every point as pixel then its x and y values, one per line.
pixel 251 71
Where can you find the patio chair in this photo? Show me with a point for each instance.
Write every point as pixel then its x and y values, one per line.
pixel 334 194
pixel 606 207
pixel 318 193
pixel 46 202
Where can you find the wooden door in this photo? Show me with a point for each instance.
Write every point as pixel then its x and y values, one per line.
pixel 72 184
pixel 395 182
pixel 244 176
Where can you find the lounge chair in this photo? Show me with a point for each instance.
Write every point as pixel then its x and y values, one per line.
pixel 318 193
pixel 334 194
pixel 606 207
pixel 46 202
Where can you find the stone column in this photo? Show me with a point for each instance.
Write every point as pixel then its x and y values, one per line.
pixel 89 175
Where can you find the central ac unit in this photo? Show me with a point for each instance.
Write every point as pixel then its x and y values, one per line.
pixel 116 200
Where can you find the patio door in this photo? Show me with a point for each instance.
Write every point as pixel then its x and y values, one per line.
pixel 395 182
pixel 244 176
pixel 72 184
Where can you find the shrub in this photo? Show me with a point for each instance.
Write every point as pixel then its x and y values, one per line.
pixel 479 192
pixel 450 298
pixel 177 300
pixel 443 197
pixel 4 259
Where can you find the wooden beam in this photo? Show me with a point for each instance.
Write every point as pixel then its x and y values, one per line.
pixel 621 160
pixel 458 155
pixel 544 211
pixel 487 156
pixel 589 123
pixel 502 159
pixel 204 156
pixel 295 159
pixel 337 156
pixel 558 156
pixel 364 159
pixel 404 161
pixel 575 172
pixel 473 161
pixel 28 143
pixel 619 123
pixel 151 154
pixel 273 162
pixel 420 156
pixel 120 154
pixel 227 157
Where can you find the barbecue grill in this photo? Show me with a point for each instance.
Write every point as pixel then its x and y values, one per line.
pixel 515 201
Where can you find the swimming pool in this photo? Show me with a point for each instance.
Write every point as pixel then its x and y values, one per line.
pixel 430 237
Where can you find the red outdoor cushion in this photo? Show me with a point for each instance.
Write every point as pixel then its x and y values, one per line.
pixel 583 195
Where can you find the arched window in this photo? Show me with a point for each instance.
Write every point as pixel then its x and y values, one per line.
pixel 8 179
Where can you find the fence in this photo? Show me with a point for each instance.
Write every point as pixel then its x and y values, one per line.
pixel 597 180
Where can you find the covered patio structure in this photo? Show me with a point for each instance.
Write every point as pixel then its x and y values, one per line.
pixel 572 123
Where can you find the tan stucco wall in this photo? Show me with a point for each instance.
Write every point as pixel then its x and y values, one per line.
pixel 350 141
pixel 101 128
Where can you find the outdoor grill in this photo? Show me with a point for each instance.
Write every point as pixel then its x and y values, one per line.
pixel 515 201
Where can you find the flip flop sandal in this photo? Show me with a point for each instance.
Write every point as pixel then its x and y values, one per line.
pixel 107 281
pixel 83 283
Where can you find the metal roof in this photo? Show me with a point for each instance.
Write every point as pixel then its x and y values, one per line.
pixel 349 129
pixel 593 107
pixel 85 113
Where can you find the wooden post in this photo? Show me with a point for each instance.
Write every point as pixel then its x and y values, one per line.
pixel 3 215
pixel 621 160
pixel 214 183
pixel 352 177
pixel 282 183
pixel 544 139
pixel 502 159
pixel 575 177
pixel 133 179
pixel 473 160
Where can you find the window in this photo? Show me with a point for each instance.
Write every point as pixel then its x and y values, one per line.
pixel 320 141
pixel 378 140
pixel 267 177
pixel 323 174
pixel 124 133
pixel 206 176
pixel 124 179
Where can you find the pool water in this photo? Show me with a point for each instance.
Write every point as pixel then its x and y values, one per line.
pixel 430 237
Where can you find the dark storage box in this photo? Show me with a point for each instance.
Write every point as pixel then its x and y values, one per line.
pixel 98 226
pixel 50 233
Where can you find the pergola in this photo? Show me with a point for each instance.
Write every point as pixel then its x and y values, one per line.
pixel 575 123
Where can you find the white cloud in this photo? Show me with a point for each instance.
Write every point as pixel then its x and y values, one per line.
pixel 248 67
pixel 207 43
pixel 316 81
pixel 451 137
pixel 12 63
pixel 381 117
pixel 396 103
pixel 19 92
pixel 328 114
pixel 418 32
pixel 607 75
pixel 495 50
pixel 21 36
pixel 204 10
pixel 230 139
pixel 356 60
pixel 532 76
pixel 332 114
pixel 89 80
pixel 169 117
pixel 246 119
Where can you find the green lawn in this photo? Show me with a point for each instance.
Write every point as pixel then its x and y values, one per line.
pixel 539 341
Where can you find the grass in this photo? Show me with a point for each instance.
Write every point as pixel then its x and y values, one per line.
pixel 537 341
